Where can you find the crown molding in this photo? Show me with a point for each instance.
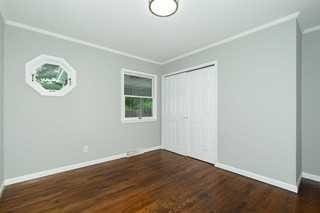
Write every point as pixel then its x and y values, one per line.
pixel 78 41
pixel 224 41
pixel 311 30
pixel 240 35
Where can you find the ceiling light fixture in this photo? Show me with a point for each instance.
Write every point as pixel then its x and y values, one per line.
pixel 163 8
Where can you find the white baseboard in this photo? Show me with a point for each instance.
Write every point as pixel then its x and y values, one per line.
pixel 261 178
pixel 311 176
pixel 60 169
pixel 32 176
pixel 141 151
pixel 1 189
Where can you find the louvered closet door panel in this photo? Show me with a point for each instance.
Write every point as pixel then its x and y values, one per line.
pixel 165 130
pixel 181 114
pixel 202 114
pixel 169 124
pixel 174 111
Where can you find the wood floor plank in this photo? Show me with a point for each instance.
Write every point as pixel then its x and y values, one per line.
pixel 157 181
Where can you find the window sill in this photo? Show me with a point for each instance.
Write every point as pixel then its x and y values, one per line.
pixel 137 120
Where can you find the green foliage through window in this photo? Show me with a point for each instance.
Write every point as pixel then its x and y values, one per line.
pixel 138 107
pixel 51 77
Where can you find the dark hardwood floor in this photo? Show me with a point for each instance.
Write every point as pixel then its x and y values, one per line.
pixel 157 181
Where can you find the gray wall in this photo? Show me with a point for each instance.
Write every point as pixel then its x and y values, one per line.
pixel 299 103
pixel 1 99
pixel 257 100
pixel 48 132
pixel 311 103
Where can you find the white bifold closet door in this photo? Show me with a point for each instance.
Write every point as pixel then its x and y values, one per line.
pixel 189 114
pixel 175 112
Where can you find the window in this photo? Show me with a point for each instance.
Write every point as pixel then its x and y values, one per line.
pixel 139 100
pixel 50 76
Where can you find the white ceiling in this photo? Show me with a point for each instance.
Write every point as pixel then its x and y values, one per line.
pixel 128 26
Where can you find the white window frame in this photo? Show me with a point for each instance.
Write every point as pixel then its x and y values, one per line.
pixel 154 97
pixel 37 62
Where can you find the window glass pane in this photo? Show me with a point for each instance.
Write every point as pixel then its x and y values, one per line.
pixel 138 107
pixel 132 107
pixel 51 77
pixel 137 86
pixel 147 107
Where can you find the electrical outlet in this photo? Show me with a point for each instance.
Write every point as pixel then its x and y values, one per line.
pixel 85 148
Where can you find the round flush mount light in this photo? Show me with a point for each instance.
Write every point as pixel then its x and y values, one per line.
pixel 163 8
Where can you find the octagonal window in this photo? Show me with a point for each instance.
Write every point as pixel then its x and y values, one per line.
pixel 50 76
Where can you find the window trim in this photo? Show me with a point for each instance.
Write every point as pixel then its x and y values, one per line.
pixel 31 69
pixel 154 96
